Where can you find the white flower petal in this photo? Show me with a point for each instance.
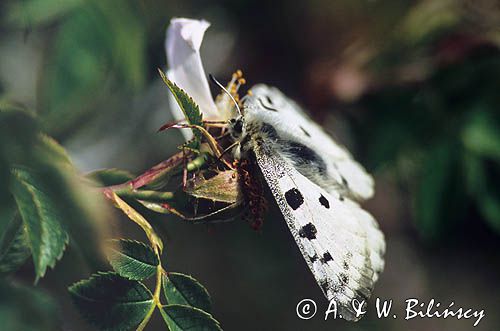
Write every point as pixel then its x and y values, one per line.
pixel 184 37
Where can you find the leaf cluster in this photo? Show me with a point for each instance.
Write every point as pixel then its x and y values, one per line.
pixel 119 300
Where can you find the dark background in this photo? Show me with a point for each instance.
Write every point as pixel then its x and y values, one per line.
pixel 411 87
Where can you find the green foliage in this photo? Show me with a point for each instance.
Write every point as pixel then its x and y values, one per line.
pixel 183 318
pixel 111 302
pixel 481 135
pixel 46 190
pixel 47 204
pixel 33 12
pixel 41 218
pixel 444 146
pixel 118 301
pixel 133 259
pixel 185 290
pixel 189 108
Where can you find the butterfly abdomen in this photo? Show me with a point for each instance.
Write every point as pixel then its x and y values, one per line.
pixel 253 193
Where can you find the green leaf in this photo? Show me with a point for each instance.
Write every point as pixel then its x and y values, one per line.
pixel 30 13
pixel 25 308
pixel 133 259
pixel 111 302
pixel 180 318
pixel 51 151
pixel 185 290
pixel 223 187
pixel 80 207
pixel 41 218
pixel 188 106
pixel 14 248
pixel 489 206
pixel 481 135
pixel 108 177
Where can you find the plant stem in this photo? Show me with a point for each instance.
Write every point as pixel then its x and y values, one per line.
pixel 156 299
pixel 146 319
pixel 132 214
pixel 156 172
pixel 145 195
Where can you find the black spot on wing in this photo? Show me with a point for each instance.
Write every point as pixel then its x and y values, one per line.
pixel 308 231
pixel 344 278
pixel 324 286
pixel 338 288
pixel 294 198
pixel 305 132
pixel 324 202
pixel 346 265
pixel 314 258
pixel 326 257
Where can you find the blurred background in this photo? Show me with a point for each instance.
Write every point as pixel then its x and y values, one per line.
pixel 411 87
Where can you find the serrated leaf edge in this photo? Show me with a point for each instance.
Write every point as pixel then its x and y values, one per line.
pixel 207 315
pixel 191 278
pixel 118 241
pixel 98 274
pixel 41 273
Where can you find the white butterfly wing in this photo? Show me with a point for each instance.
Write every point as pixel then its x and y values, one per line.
pixel 292 123
pixel 340 242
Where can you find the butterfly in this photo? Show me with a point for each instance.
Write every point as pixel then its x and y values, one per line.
pixel 316 185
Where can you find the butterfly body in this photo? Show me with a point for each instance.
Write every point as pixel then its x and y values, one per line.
pixel 315 183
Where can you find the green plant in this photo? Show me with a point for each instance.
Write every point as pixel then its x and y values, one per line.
pixel 49 205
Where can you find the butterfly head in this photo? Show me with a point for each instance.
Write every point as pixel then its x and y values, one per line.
pixel 236 127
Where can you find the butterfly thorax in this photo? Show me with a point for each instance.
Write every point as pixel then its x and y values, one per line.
pixel 259 129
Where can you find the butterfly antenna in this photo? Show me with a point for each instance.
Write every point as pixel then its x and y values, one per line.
pixel 212 78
